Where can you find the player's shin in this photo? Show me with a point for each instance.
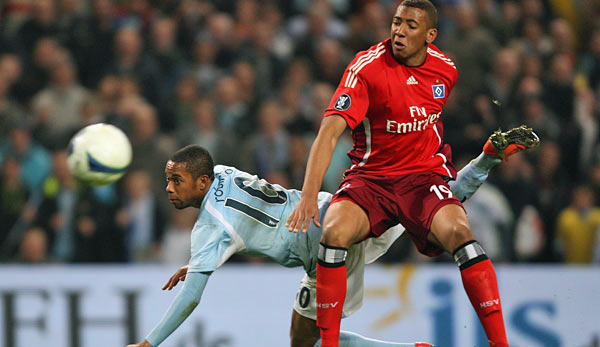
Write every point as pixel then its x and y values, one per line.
pixel 479 281
pixel 350 339
pixel 331 292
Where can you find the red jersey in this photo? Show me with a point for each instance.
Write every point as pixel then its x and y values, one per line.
pixel 395 111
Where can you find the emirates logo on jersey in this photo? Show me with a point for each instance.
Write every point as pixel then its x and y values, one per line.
pixel 420 121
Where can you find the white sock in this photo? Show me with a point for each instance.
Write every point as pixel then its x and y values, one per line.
pixel 486 161
pixel 350 339
pixel 472 176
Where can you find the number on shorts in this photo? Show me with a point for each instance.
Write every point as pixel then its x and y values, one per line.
pixel 304 297
pixel 439 189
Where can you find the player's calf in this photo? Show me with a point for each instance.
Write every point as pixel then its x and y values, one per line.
pixel 331 292
pixel 479 281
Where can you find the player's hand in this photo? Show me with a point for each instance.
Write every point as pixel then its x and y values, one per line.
pixel 178 276
pixel 141 344
pixel 306 210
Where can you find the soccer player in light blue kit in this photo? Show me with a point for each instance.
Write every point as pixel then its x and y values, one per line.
pixel 240 213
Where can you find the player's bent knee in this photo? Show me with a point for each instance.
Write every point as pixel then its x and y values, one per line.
pixel 333 236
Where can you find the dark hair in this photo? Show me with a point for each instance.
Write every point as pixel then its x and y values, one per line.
pixel 425 5
pixel 197 160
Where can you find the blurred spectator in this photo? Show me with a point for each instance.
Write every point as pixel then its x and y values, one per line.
pixel 472 48
pixel 58 106
pixel 576 227
pixel 141 218
pixel 265 64
pixel 11 111
pixel 534 40
pixel 13 13
pixel 45 54
pixel 203 130
pixel 491 218
pixel 13 199
pixel 135 13
pixel 266 152
pixel 553 183
pixel 330 54
pixel 245 75
pixel 232 111
pixel 221 27
pixel 191 16
pixel 166 54
pixel 151 149
pixel 514 179
pixel 591 62
pixel 97 236
pixel 176 112
pixel 501 86
pixel 57 211
pixel 535 114
pixel 42 23
pixel 130 60
pixel 586 117
pixel 204 67
pixel 79 219
pixel 95 43
pixel 563 37
pixel 34 159
pixel 298 154
pixel 318 23
pixel 367 27
pixel 34 247
pixel 175 248
pixel 73 29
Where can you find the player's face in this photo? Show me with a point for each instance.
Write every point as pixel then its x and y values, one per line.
pixel 410 35
pixel 182 189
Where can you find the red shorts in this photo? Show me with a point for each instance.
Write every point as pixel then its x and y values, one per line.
pixel 411 200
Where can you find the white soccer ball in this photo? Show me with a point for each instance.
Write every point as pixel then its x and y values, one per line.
pixel 99 154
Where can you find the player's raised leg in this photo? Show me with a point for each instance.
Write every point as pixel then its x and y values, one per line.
pixel 500 145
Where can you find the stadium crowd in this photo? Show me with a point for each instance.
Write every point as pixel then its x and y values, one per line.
pixel 249 80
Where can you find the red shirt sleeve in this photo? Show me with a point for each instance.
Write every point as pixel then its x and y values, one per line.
pixel 351 99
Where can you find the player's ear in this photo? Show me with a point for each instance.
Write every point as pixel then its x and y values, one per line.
pixel 203 182
pixel 431 35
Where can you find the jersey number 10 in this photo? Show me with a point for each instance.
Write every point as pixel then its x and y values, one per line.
pixel 261 190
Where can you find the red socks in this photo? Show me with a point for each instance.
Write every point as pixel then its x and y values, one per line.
pixel 331 293
pixel 479 280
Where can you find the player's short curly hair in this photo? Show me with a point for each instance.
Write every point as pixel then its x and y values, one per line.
pixel 425 5
pixel 197 160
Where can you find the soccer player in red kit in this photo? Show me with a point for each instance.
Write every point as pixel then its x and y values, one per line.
pixel 391 96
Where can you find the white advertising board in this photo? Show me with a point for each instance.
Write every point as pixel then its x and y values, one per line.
pixel 247 306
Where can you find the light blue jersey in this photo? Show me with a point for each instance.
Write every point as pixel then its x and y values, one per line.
pixel 244 214
pixel 247 215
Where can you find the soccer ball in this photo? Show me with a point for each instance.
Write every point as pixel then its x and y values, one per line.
pixel 99 154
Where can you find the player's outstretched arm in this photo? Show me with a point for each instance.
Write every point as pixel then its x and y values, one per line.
pixel 181 307
pixel 319 158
